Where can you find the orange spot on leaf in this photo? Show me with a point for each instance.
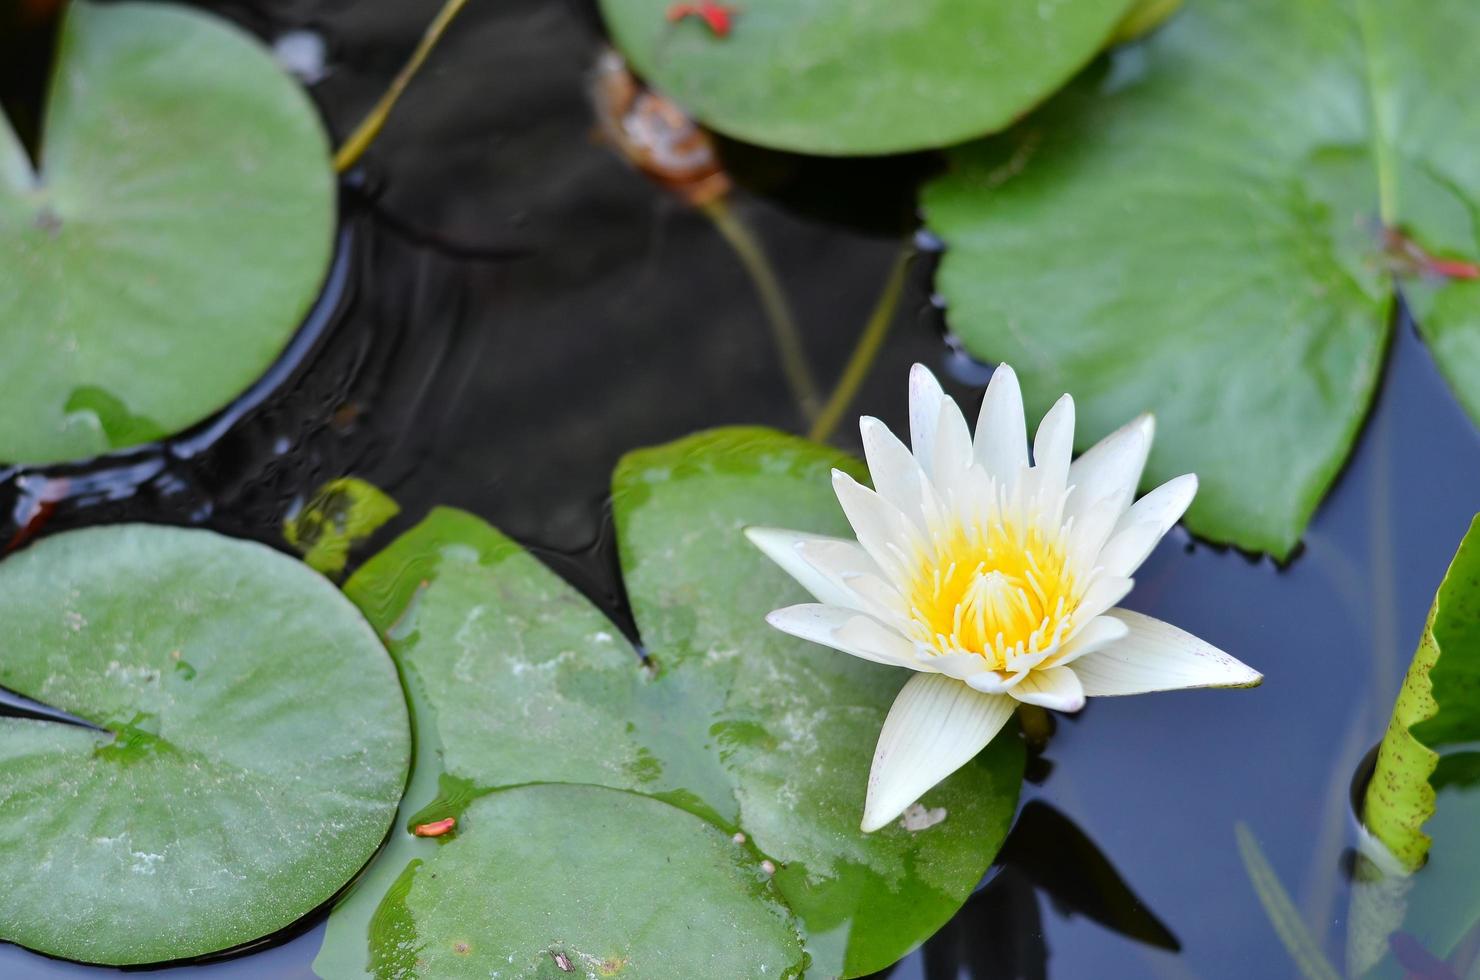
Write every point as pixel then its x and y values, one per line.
pixel 434 829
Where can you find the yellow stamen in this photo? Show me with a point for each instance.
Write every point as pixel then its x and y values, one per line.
pixel 995 590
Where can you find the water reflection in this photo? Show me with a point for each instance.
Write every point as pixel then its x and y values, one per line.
pixel 519 309
pixel 999 933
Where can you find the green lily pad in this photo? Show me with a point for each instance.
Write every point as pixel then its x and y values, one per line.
pixel 254 744
pixel 169 243
pixel 1196 228
pixel 1423 802
pixel 516 679
pixel 856 77
pixel 608 883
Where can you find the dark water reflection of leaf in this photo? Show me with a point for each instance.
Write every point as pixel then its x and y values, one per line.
pixel 999 934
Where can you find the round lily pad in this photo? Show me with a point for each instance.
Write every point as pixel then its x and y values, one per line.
pixel 253 747
pixel 169 241
pixel 541 881
pixel 863 76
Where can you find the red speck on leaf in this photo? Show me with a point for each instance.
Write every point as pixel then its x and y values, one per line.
pixel 436 828
pixel 718 16
pixel 1455 268
pixel 1411 258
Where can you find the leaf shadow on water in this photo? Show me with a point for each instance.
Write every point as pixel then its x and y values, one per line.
pixel 999 934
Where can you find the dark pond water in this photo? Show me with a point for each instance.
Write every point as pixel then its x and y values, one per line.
pixel 513 307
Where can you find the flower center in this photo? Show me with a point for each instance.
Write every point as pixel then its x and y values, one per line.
pixel 996 591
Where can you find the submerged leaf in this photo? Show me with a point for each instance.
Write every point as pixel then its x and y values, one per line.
pixel 171 238
pixel 252 744
pixel 1208 226
pixel 515 679
pixel 863 76
pixel 340 514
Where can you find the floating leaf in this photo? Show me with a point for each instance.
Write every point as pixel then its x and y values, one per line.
pixel 541 878
pixel 516 679
pixel 864 76
pixel 1207 227
pixel 1422 803
pixel 253 744
pixel 169 243
pixel 340 514
pixel 798 724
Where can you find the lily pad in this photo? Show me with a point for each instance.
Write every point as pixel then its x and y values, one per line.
pixel 252 744
pixel 853 77
pixel 516 679
pixel 610 884
pixel 166 247
pixel 1209 226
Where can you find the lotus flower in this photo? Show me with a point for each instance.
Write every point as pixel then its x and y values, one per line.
pixel 995 580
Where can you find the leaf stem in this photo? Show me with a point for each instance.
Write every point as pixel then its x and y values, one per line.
pixel 369 128
pixel 773 300
pixel 1382 149
pixel 864 353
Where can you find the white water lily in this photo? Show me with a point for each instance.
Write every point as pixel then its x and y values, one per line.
pixel 995 579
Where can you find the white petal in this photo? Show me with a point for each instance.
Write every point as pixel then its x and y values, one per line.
pixel 796 551
pixel 1051 687
pixel 1053 447
pixel 1111 468
pixel 886 534
pixel 925 399
pixel 1093 635
pixel 1156 656
pixel 845 630
pixel 1092 529
pixel 992 682
pixel 1001 443
pixel 934 728
pixel 878 598
pixel 953 454
pixel 1146 523
pixel 961 666
pixel 839 558
pixel 856 578
pixel 1104 592
pixel 893 469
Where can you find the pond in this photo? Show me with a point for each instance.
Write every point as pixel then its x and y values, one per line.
pixel 512 307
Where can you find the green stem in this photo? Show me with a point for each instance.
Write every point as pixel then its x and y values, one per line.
pixel 1378 81
pixel 359 141
pixel 864 354
pixel 778 313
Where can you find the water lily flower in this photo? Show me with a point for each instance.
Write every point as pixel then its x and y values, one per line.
pixel 995 580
